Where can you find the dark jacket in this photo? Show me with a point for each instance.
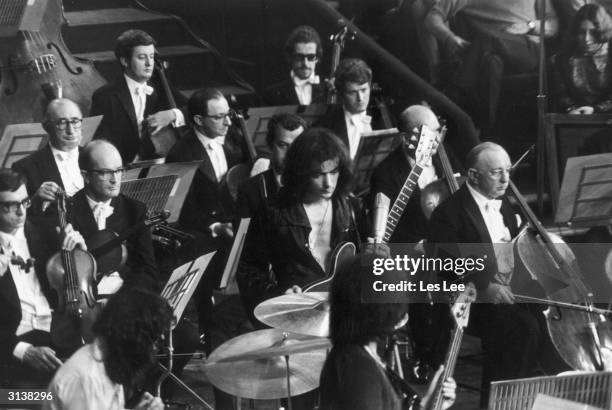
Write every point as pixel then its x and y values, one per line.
pixel 279 237
pixel 208 201
pixel 261 189
pixel 458 221
pixel 283 93
pixel 140 268
pixel 119 124
pixel 42 244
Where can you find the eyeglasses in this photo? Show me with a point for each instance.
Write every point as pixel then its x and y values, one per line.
pixel 62 123
pixel 107 174
pixel 14 206
pixel 499 172
pixel 300 57
pixel 220 117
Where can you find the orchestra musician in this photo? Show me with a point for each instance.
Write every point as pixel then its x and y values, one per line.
pixel 131 103
pixel 55 167
pixel 109 372
pixel 100 205
pixel 303 87
pixel 355 375
pixel 26 298
pixel 283 129
pixel 513 336
pixel 315 213
pixel 388 178
pixel 350 119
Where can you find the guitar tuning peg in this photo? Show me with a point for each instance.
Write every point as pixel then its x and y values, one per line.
pixel 414 138
pixel 411 146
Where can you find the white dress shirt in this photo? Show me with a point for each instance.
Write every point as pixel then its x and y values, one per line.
pixel 101 211
pixel 68 166
pixel 214 149
pixel 303 88
pixel 499 233
pixel 139 93
pixel 356 124
pixel 35 309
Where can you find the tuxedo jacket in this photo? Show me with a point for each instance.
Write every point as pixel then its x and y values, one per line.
pixel 459 220
pixel 119 124
pixel 140 268
pixel 334 120
pixel 283 93
pixel 42 243
pixel 208 201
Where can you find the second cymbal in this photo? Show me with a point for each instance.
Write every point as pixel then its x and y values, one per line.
pixel 304 313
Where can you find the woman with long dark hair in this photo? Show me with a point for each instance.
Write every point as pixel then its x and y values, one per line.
pixel 355 375
pixel 112 370
pixel 583 71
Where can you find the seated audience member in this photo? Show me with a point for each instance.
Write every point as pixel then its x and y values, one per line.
pixel 497 37
pixel 111 370
pixel 55 167
pixel 355 375
pixel 313 215
pixel 28 358
pixel 583 71
pixel 134 109
pixel 302 87
pixel 283 129
pixel 350 119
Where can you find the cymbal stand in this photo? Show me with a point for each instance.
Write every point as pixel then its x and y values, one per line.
pixel 288 384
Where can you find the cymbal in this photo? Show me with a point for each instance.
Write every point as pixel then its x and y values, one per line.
pixel 231 369
pixel 303 313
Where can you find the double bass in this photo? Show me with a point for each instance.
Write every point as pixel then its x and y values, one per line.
pixel 35 65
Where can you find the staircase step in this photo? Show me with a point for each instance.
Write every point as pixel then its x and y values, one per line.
pixel 111 16
pixel 164 52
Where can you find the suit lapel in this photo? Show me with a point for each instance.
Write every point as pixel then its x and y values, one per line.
pixel 474 215
pixel 48 167
pixel 123 93
pixel 82 216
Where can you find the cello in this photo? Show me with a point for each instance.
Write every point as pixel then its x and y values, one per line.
pixel 241 172
pixel 580 332
pixel 35 65
pixel 71 274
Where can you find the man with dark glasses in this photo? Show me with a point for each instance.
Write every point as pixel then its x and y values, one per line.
pixel 302 53
pixel 55 168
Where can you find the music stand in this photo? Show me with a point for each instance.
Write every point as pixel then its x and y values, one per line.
pixel 258 117
pixel 20 140
pixel 373 148
pixel 161 187
pixel 228 280
pixel 585 199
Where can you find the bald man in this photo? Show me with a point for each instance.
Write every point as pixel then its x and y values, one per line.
pixel 55 167
pixel 513 336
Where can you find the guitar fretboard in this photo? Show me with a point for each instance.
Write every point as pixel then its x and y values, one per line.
pixel 401 201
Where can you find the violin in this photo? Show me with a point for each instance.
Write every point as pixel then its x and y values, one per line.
pixel 580 332
pixel 108 249
pixel 71 274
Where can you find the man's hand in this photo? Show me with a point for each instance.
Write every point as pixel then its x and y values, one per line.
pixel 456 45
pixel 584 110
pixel 521 27
pixel 159 120
pixel 449 388
pixel 149 402
pixel 41 358
pixel 224 229
pixel 293 290
pixel 48 191
pixel 72 239
pixel 496 293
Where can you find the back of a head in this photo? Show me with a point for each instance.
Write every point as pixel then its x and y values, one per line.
pixel 352 319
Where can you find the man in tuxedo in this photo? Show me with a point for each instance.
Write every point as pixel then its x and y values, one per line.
pixel 513 335
pixel 350 119
pixel 262 189
pixel 26 298
pixel 55 167
pixel 100 205
pixel 303 87
pixel 131 106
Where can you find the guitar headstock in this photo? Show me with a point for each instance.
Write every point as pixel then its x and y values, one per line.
pixel 461 307
pixel 428 142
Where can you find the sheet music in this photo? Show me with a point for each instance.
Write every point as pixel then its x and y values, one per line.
pixel 229 273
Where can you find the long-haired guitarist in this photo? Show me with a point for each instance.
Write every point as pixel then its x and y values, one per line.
pixel 315 213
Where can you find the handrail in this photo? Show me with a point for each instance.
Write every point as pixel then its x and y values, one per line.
pixel 465 125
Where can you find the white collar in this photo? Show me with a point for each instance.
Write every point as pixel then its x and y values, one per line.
pixel 313 79
pixel 133 85
pixel 92 203
pixel 207 141
pixel 481 200
pixel 65 155
pixel 363 116
pixel 7 239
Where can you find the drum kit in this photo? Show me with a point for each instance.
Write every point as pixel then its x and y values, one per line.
pixel 280 362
